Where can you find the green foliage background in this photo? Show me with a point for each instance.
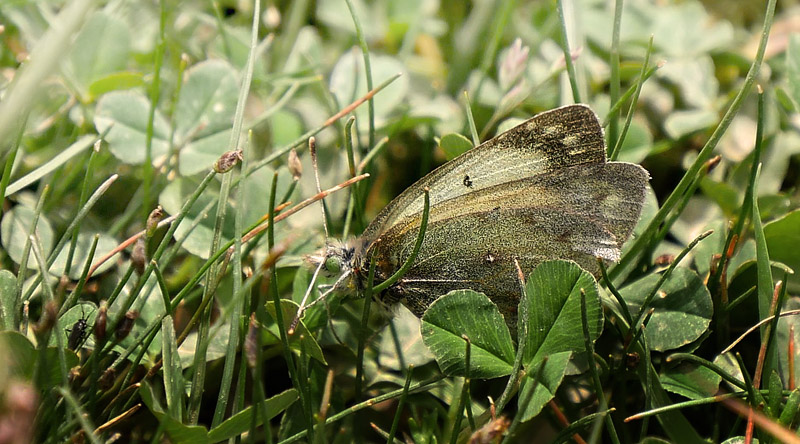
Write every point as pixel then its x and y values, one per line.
pixel 110 109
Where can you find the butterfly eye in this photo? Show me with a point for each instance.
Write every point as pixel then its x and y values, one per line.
pixel 333 264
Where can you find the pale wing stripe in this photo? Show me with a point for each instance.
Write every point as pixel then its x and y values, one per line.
pixel 445 193
pixel 574 151
pixel 504 170
pixel 456 173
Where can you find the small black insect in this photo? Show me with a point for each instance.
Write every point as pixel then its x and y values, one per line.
pixel 78 333
pixel 467 181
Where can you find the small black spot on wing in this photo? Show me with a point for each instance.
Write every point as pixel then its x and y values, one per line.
pixel 467 181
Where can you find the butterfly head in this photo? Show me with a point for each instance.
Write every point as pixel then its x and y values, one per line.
pixel 342 261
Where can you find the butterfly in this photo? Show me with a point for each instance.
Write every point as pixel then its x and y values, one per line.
pixel 539 191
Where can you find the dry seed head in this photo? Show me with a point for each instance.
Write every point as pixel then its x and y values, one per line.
pixel 139 256
pixel 126 324
pixel 107 379
pixel 153 219
pixel 664 260
pixel 101 321
pixel 295 167
pixel 48 319
pixel 227 161
pixel 251 342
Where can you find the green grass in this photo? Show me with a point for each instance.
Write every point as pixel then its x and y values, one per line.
pixel 126 106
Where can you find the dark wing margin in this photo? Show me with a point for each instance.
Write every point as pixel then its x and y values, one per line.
pixel 567 136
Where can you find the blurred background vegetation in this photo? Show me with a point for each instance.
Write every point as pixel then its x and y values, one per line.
pixel 109 109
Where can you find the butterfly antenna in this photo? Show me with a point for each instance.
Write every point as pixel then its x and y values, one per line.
pixel 312 149
pixel 302 308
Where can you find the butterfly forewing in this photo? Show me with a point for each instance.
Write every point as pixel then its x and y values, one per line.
pixel 550 141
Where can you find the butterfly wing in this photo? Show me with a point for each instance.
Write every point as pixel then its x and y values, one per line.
pixel 550 141
pixel 577 213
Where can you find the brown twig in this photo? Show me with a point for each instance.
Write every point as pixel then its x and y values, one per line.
pixel 564 421
pixel 779 432
pixel 255 231
pixel 113 421
pixel 762 355
pixel 346 110
pixel 755 327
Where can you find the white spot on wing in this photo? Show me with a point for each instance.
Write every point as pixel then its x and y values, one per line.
pixel 607 253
